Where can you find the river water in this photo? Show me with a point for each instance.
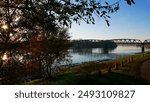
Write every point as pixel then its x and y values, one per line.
pixel 99 54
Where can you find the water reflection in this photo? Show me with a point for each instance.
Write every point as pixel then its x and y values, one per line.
pixel 93 54
pixel 86 51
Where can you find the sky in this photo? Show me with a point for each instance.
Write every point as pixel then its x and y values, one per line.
pixel 130 22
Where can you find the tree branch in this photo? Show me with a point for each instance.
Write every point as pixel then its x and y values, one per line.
pixel 12 6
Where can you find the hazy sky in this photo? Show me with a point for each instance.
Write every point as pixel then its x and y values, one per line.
pixel 129 22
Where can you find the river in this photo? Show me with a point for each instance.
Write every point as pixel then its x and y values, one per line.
pixel 94 54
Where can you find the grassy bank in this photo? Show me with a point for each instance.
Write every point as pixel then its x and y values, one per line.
pixel 120 71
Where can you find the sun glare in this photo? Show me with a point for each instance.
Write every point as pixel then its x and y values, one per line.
pixel 4 57
pixel 4 27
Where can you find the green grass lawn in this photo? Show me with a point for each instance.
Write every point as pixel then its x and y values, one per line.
pixel 94 73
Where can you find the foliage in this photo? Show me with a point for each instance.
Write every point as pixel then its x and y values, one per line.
pixel 30 43
pixel 65 11
pixel 33 33
pixel 130 2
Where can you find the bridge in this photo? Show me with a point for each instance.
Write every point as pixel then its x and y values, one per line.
pixel 132 41
pixel 123 41
pixel 127 41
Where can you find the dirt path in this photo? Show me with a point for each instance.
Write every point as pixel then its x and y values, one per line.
pixel 145 70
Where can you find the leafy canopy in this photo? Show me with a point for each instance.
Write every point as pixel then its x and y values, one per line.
pixel 67 11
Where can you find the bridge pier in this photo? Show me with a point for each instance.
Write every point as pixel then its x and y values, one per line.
pixel 143 47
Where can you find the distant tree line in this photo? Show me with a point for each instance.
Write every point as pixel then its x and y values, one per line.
pixel 106 44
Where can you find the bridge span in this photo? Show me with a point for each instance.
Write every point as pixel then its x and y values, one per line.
pixel 132 41
pixel 147 41
pixel 123 41
pixel 127 41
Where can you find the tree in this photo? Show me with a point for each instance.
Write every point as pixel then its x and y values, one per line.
pixel 66 11
pixel 29 43
pixel 34 32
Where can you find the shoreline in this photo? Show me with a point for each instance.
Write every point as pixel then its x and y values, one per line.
pixel 72 65
pixel 84 74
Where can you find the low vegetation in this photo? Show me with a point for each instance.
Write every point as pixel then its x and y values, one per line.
pixel 120 71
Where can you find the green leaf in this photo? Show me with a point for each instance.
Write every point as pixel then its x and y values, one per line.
pixel 128 2
pixel 107 23
pixel 93 22
pixel 87 22
pixel 116 8
pixel 97 12
pixel 106 3
pixel 108 16
pixel 133 1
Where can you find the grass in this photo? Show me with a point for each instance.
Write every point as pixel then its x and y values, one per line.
pixel 95 73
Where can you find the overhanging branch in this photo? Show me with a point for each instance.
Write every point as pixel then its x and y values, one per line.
pixel 13 6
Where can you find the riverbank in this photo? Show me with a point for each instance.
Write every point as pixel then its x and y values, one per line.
pixel 145 71
pixel 124 71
